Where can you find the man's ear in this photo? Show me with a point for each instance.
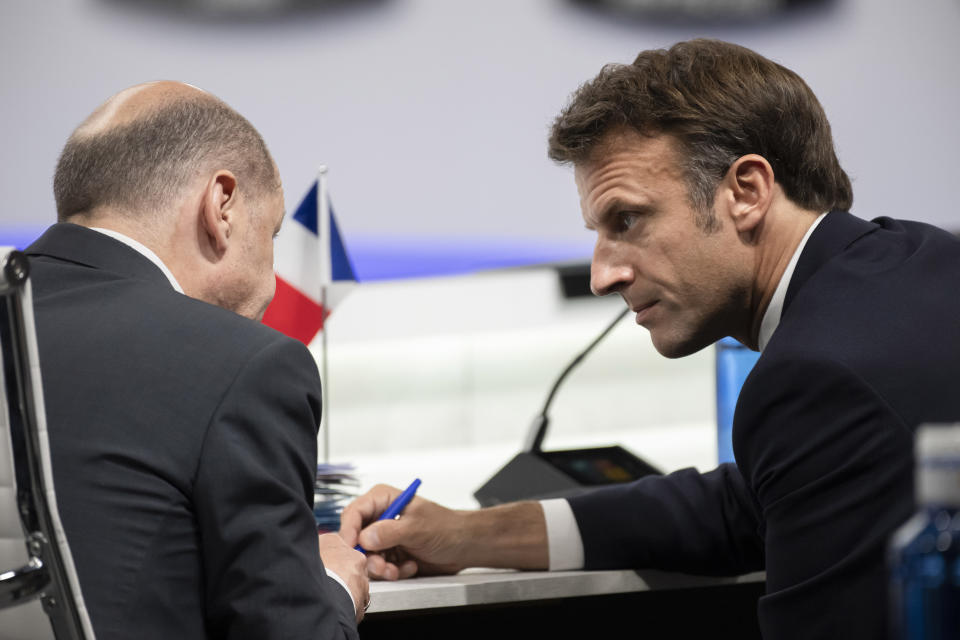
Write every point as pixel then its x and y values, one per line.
pixel 218 209
pixel 750 183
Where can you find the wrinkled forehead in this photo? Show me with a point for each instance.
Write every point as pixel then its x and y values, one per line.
pixel 626 154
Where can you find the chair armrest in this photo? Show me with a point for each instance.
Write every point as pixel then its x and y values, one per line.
pixel 23 584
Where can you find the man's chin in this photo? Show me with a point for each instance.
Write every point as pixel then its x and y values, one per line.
pixel 674 347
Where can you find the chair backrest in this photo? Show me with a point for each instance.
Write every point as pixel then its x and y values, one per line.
pixel 37 575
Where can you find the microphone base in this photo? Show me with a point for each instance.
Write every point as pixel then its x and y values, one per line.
pixel 561 474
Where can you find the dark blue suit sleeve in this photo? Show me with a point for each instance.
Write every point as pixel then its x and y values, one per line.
pixel 831 465
pixel 253 498
pixel 686 521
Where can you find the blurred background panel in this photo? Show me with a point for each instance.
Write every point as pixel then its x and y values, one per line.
pixel 432 114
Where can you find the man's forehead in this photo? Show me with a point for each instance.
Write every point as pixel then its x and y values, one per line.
pixel 629 153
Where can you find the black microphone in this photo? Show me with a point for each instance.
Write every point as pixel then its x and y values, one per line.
pixel 537 474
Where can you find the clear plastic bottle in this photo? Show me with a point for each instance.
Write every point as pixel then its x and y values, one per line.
pixel 924 553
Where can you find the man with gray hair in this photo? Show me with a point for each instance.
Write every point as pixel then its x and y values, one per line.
pixel 183 431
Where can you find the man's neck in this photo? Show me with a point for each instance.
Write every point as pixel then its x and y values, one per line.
pixel 119 222
pixel 783 229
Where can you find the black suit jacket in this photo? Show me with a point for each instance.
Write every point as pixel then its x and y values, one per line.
pixel 183 439
pixel 868 348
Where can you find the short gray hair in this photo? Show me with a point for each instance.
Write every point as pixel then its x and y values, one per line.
pixel 145 164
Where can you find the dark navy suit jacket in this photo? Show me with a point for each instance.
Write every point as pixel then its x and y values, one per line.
pixel 867 349
pixel 183 440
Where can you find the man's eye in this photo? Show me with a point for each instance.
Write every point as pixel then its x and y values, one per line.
pixel 626 220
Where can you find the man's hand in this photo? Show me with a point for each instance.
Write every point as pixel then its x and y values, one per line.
pixel 350 565
pixel 426 539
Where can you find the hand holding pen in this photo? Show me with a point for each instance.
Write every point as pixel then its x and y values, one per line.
pixel 397 506
pixel 425 539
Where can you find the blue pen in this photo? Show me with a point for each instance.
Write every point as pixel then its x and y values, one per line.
pixel 397 506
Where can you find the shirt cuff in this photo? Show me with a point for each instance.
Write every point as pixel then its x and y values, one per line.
pixel 343 584
pixel 563 535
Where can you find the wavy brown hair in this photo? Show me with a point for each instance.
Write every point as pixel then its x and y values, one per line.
pixel 720 101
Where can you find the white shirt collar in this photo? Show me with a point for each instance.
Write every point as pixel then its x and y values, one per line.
pixel 771 317
pixel 144 251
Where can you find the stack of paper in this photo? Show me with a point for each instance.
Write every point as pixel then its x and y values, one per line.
pixel 335 487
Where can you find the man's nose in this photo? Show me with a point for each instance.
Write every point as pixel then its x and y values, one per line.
pixel 608 274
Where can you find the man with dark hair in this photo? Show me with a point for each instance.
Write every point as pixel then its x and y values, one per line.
pixel 183 431
pixel 709 176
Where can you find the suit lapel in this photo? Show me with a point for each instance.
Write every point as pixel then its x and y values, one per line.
pixel 80 245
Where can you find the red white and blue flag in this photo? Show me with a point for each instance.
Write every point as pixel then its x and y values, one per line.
pixel 313 269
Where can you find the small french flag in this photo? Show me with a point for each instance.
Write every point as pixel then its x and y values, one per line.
pixel 312 267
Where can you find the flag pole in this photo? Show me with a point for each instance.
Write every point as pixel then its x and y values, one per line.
pixel 326 277
pixel 325 421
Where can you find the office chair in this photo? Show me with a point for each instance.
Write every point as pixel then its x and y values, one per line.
pixel 31 534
